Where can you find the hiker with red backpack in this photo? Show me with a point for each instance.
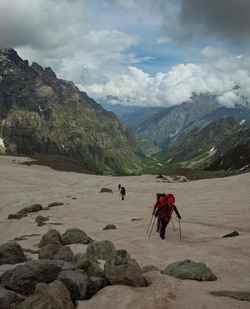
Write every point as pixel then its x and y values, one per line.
pixel 164 213
pixel 123 192
pixel 156 207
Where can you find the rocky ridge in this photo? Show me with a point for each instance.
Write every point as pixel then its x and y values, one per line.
pixel 40 114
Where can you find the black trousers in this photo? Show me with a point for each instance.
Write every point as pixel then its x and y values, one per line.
pixel 163 225
pixel 158 225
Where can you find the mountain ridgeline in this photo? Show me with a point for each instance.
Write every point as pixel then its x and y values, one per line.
pixel 41 114
pixel 164 125
pixel 194 133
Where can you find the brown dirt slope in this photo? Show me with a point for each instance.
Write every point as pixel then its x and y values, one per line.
pixel 59 163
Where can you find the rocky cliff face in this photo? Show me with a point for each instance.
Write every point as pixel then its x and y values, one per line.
pixel 40 114
pixel 200 147
pixel 237 158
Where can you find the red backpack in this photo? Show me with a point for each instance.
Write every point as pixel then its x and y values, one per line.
pixel 122 190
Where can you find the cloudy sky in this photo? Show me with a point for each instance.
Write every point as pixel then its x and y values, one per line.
pixel 144 52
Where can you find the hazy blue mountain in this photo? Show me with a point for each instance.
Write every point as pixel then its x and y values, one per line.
pixel 163 125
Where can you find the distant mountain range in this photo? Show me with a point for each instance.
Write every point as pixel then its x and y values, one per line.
pixel 163 125
pixel 41 114
pixel 192 134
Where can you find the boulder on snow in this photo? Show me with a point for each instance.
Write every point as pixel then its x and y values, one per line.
pixel 51 237
pixel 110 227
pixel 23 212
pixel 101 250
pixel 54 296
pixel 103 190
pixel 243 296
pixel 75 236
pixel 121 269
pixel 56 252
pixel 190 270
pixel 11 253
pixel 233 234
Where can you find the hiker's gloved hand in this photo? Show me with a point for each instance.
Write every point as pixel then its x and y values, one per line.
pixel 153 213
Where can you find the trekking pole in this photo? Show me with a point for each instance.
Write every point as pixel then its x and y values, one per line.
pixel 173 224
pixel 180 228
pixel 150 223
pixel 151 229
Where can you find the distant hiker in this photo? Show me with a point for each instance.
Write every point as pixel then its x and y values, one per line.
pixel 119 187
pixel 156 206
pixel 164 213
pixel 123 192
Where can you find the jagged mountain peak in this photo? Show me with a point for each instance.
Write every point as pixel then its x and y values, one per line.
pixel 41 114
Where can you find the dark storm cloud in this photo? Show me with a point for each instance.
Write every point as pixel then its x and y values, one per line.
pixel 42 24
pixel 226 21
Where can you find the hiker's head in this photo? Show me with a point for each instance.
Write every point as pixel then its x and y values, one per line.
pixel 159 195
pixel 170 201
pixel 162 200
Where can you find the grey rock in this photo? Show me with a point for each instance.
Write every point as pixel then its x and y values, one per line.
pixel 121 269
pixel 23 212
pixel 233 234
pixel 76 281
pixel 11 253
pixel 110 227
pixel 40 220
pixel 57 252
pixel 52 296
pixel 90 266
pixel 148 268
pixel 75 236
pixel 104 190
pixel 102 250
pixel 95 284
pixel 55 204
pixel 242 296
pixel 24 278
pixel 9 298
pixel 51 237
pixel 6 277
pixel 190 270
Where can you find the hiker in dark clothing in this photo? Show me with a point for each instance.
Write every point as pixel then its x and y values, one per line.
pixel 123 192
pixel 156 207
pixel 164 213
